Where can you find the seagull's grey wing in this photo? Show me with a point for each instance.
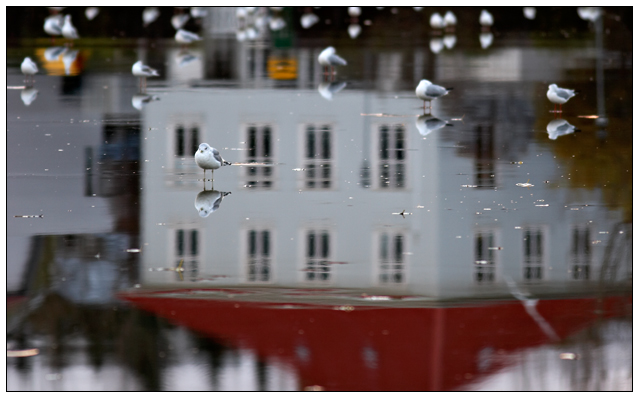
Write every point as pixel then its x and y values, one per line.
pixel 190 35
pixel 435 91
pixel 216 155
pixel 216 204
pixel 147 69
pixel 336 60
pixel 564 93
pixel 434 123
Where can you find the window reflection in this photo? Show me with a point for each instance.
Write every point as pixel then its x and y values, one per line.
pixel 187 254
pixel 318 149
pixel 391 258
pixel 485 173
pixel 259 255
pixel 259 140
pixel 318 255
pixel 533 266
pixel 580 253
pixel 391 156
pixel 484 262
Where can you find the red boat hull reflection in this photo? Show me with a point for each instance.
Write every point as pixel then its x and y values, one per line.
pixel 380 348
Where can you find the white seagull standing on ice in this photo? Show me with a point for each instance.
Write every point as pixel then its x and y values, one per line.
pixel 28 68
pixel 329 58
pixel 68 30
pixel 427 91
pixel 208 157
pixel 558 95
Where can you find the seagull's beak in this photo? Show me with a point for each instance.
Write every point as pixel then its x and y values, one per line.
pixel 201 151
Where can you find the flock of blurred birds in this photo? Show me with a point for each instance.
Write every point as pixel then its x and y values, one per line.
pixel 253 19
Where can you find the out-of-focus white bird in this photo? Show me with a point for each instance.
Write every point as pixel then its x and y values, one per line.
pixel 178 20
pixel 427 91
pixel 354 11
pixel 150 14
pixel 91 12
pixel 28 67
pixel 436 44
pixel 486 19
pixel 329 89
pixel 436 21
pixel 277 23
pixel 207 157
pixel 140 100
pixel 354 30
pixel 449 40
pixel 143 71
pixel 415 8
pixel 307 20
pixel 208 201
pixel 185 37
pixel 329 59
pixel 529 12
pixel 589 13
pixel 560 127
pixel 486 39
pixel 558 95
pixel 427 124
pixel 53 25
pixel 68 30
pixel 198 12
pixel 28 95
pixel 450 20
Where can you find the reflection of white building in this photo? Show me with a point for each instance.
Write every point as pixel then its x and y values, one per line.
pixel 327 212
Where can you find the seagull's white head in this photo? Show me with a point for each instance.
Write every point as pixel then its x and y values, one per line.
pixel 425 82
pixel 553 86
pixel 203 147
pixel 331 50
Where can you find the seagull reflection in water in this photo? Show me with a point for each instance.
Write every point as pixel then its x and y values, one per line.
pixel 428 123
pixel 140 100
pixel 28 95
pixel 560 127
pixel 329 89
pixel 208 201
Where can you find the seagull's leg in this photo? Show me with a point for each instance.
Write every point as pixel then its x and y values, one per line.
pixel 560 108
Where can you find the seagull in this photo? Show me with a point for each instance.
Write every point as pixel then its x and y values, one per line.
pixel 354 30
pixel 53 54
pixel 529 12
pixel 450 20
pixel 28 68
pixel 354 11
pixel 486 38
pixel 558 95
pixel 68 58
pixel 179 20
pixel 208 157
pixel 68 30
pixel 186 37
pixel 53 25
pixel 560 127
pixel 208 201
pixel 328 58
pixel 91 12
pixel 427 91
pixel 486 19
pixel 436 21
pixel 143 71
pixel 427 124
pixel 308 19
pixel 149 15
